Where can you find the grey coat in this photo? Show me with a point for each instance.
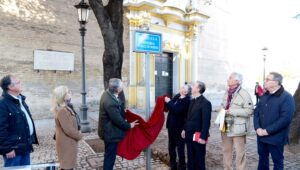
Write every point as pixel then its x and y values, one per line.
pixel 241 108
pixel 112 124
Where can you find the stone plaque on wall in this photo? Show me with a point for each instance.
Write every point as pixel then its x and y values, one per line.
pixel 53 60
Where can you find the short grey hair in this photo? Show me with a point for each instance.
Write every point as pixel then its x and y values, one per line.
pixel 238 77
pixel 277 77
pixel 114 84
pixel 201 86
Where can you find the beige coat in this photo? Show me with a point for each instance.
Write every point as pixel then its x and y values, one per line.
pixel 67 137
pixel 241 108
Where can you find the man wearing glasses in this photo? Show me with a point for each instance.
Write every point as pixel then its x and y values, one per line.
pixel 17 130
pixel 272 118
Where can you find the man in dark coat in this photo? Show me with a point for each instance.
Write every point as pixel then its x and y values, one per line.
pixel 178 108
pixel 17 130
pixel 112 123
pixel 198 120
pixel 272 118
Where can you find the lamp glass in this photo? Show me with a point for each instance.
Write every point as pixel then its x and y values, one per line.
pixel 83 12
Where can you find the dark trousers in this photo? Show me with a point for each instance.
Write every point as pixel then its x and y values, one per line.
pixel 196 155
pixel 176 142
pixel 276 152
pixel 257 98
pixel 110 154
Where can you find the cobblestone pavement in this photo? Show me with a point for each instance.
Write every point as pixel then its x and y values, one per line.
pixel 88 159
pixel 214 157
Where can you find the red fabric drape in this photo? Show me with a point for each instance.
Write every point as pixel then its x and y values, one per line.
pixel 144 134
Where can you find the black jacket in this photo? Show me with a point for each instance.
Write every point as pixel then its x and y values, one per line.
pixel 178 108
pixel 198 118
pixel 112 123
pixel 14 128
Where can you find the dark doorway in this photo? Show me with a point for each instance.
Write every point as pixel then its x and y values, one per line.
pixel 163 74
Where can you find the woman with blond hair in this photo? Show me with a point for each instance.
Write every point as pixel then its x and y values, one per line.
pixel 67 132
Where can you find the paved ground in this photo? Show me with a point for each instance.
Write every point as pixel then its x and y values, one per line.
pixel 214 151
pixel 88 159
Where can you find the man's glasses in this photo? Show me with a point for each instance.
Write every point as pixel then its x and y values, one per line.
pixel 269 80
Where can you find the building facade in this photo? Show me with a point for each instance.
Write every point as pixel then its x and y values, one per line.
pixel 179 23
pixel 193 49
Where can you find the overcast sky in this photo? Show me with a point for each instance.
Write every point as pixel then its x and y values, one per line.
pixel 254 24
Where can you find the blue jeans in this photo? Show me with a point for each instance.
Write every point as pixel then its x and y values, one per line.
pixel 264 150
pixel 18 160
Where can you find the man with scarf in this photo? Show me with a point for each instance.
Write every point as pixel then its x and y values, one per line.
pixel 238 106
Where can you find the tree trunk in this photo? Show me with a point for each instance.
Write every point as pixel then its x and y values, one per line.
pixel 110 21
pixel 294 135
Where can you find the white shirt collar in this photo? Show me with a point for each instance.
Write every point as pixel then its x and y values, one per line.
pixel 116 95
pixel 195 97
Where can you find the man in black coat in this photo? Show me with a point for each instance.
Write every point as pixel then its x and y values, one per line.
pixel 112 123
pixel 17 130
pixel 198 120
pixel 178 108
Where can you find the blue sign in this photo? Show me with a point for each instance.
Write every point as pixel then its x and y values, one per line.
pixel 147 42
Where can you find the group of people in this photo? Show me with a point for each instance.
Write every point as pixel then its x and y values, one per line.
pixel 17 129
pixel 188 124
pixel 189 114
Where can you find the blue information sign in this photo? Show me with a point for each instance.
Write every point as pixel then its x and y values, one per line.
pixel 147 42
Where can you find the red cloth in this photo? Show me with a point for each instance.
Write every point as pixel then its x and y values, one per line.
pixel 144 134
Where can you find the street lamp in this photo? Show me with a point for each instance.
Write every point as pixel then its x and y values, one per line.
pixel 83 14
pixel 264 50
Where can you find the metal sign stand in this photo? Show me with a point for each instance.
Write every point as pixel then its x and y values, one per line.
pixel 148 153
pixel 149 42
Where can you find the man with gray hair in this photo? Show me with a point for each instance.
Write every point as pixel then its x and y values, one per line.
pixel 238 107
pixel 112 124
pixel 272 119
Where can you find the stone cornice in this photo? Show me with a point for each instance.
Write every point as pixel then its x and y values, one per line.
pixel 166 12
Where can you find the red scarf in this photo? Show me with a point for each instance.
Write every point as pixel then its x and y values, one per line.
pixel 230 95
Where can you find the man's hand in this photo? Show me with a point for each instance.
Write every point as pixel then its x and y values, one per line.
pixel 183 134
pixel 201 141
pixel 11 154
pixel 264 132
pixel 259 132
pixel 133 124
pixel 167 99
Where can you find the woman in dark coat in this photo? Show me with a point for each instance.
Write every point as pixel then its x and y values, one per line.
pixel 178 108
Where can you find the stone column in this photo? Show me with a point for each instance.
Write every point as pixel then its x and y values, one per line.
pixel 192 35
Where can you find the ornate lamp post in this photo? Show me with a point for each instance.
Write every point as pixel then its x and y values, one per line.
pixel 264 50
pixel 83 14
